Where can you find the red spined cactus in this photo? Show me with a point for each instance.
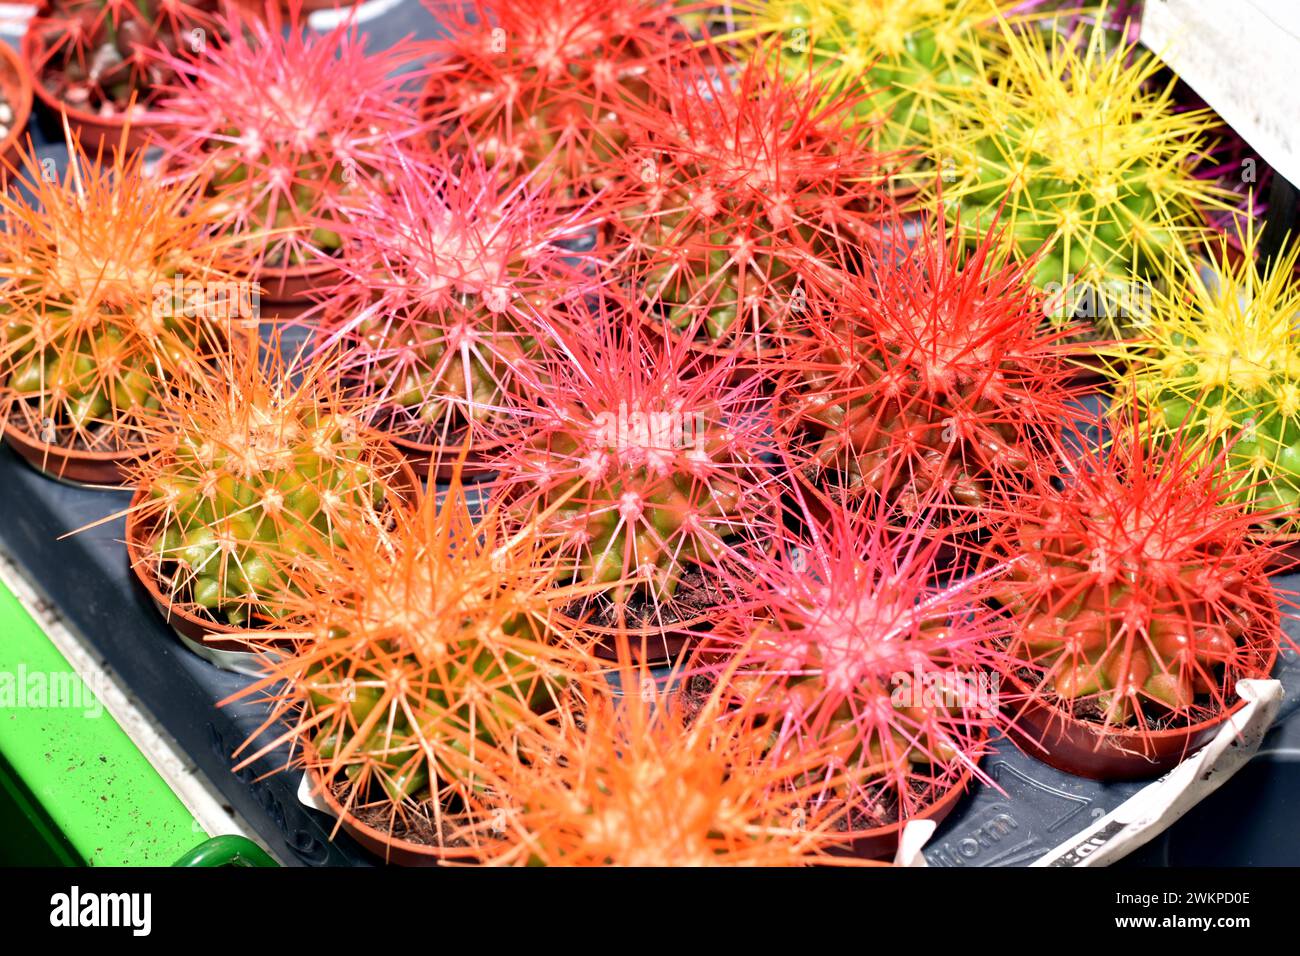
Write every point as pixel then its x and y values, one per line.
pixel 429 669
pixel 930 375
pixel 730 183
pixel 640 783
pixel 441 271
pixel 856 642
pixel 651 456
pixel 289 127
pixel 1136 588
pixel 542 84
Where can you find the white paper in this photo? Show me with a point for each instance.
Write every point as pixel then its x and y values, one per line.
pixel 1156 807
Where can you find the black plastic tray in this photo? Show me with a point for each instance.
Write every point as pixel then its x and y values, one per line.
pixel 87 580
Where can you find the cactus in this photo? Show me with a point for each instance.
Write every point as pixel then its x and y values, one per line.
pixel 429 667
pixel 439 269
pixel 641 784
pixel 1220 360
pixel 1137 594
pixel 916 58
pixel 111 299
pixel 96 57
pixel 1084 155
pixel 727 188
pixel 289 127
pixel 649 454
pixel 929 376
pixel 260 469
pixel 541 84
pixel 850 642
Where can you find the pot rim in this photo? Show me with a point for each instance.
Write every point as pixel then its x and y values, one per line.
pixel 372 838
pixel 1035 701
pixel 33 44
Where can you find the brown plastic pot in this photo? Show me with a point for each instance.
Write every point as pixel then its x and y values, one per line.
pixel 285 292
pixel 420 457
pixel 384 845
pixel 16 81
pixel 880 843
pixel 1087 749
pixel 107 468
pixel 203 630
pixel 92 131
pixel 647 645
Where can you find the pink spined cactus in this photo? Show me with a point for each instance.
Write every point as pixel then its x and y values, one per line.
pixel 440 274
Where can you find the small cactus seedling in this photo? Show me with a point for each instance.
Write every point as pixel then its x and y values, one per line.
pixel 430 667
pixel 729 185
pixel 258 470
pixel 1220 360
pixel 916 58
pixel 850 643
pixel 289 127
pixel 111 299
pixel 541 84
pixel 94 55
pixel 642 784
pixel 930 376
pixel 650 456
pixel 1137 594
pixel 437 272
pixel 1083 154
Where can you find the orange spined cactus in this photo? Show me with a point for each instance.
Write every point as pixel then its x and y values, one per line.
pixel 431 669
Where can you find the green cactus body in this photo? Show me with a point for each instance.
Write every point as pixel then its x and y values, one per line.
pixel 237 512
pixel 385 749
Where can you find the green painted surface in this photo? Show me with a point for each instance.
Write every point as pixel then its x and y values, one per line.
pixel 73 787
